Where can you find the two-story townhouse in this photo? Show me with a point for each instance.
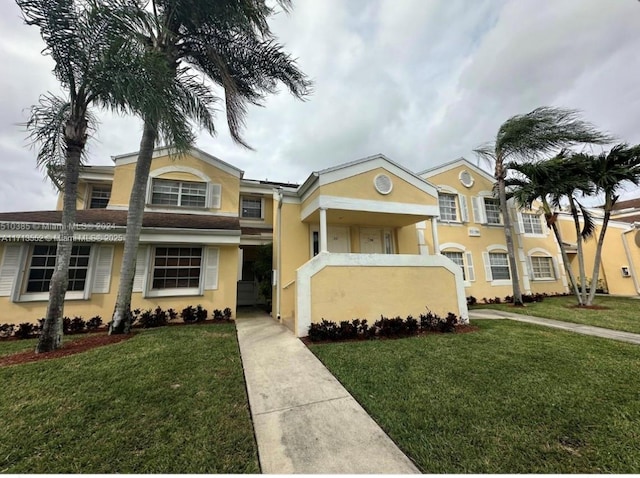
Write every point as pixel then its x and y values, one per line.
pixel 471 234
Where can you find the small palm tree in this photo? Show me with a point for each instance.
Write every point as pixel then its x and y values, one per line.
pixel 609 172
pixel 551 180
pixel 96 67
pixel 528 137
pixel 227 41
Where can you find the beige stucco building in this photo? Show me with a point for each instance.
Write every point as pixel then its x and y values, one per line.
pixel 357 240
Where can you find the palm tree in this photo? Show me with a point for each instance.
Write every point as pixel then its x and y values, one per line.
pixel 609 172
pixel 96 67
pixel 551 179
pixel 526 138
pixel 230 44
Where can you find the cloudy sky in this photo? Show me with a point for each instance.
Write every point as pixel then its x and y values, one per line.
pixel 422 81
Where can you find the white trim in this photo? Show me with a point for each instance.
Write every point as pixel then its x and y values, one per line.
pixel 182 210
pixel 156 173
pixel 322 260
pixel 539 250
pixel 496 248
pixel 367 205
pixel 130 158
pixel 427 173
pixel 187 237
pixel 359 166
pixel 452 245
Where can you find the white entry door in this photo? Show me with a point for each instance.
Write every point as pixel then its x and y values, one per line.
pixel 370 240
pixel 338 239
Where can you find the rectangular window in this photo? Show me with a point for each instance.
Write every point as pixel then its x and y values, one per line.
pixel 176 267
pixel 492 209
pixel 43 259
pixel 100 195
pixel 447 203
pixel 178 193
pixel 251 208
pixel 499 263
pixel 542 267
pixel 531 223
pixel 458 259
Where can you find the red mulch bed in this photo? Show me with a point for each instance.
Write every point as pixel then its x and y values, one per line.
pixel 77 345
pixel 588 307
pixel 460 329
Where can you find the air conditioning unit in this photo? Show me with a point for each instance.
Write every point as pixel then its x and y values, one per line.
pixel 625 271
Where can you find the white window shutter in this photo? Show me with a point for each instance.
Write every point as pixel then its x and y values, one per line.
pixel 464 212
pixel 141 268
pixel 471 274
pixel 240 261
pixel 215 198
pixel 487 267
pixel 530 268
pixel 10 268
pixel 518 224
pixel 102 271
pixel 475 205
pixel 211 268
pixel 556 270
pixel 482 211
pixel 545 228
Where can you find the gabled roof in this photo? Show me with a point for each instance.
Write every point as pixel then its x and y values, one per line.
pixel 627 204
pixel 454 164
pixel 358 166
pixel 195 152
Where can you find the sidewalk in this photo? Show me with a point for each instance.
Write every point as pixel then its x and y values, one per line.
pixel 557 324
pixel 304 419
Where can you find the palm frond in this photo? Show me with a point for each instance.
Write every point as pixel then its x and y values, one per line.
pixel 588 224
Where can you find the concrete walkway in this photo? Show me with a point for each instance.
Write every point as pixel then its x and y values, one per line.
pixel 557 324
pixel 304 419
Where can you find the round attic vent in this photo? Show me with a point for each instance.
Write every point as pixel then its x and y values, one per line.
pixel 383 184
pixel 637 238
pixel 466 179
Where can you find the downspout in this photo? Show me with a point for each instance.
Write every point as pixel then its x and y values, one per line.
pixel 279 261
pixel 627 251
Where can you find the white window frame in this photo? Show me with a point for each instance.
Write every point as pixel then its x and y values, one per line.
pixel 539 253
pixel 213 190
pixel 448 195
pixel 468 273
pixel 248 218
pixel 529 215
pixel 180 194
pixel 486 259
pixel 21 294
pixel 90 188
pixel 486 215
pixel 178 291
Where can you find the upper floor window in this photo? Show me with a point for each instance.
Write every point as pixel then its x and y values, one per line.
pixel 251 208
pixel 100 195
pixel 165 192
pixel 492 210
pixel 447 204
pixel 531 223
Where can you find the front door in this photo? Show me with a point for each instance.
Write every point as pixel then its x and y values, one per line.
pixel 370 240
pixel 338 240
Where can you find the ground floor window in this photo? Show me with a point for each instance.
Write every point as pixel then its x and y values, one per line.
pixel 42 265
pixel 499 263
pixel 458 259
pixel 176 267
pixel 542 267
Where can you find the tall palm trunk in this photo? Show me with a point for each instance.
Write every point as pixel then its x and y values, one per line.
pixel 121 321
pixel 551 222
pixel 508 234
pixel 51 336
pixel 598 256
pixel 583 281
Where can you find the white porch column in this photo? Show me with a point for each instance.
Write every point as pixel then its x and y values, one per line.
pixel 434 233
pixel 323 230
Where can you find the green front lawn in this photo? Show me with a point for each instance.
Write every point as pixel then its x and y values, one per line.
pixel 169 400
pixel 510 398
pixel 8 347
pixel 621 313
